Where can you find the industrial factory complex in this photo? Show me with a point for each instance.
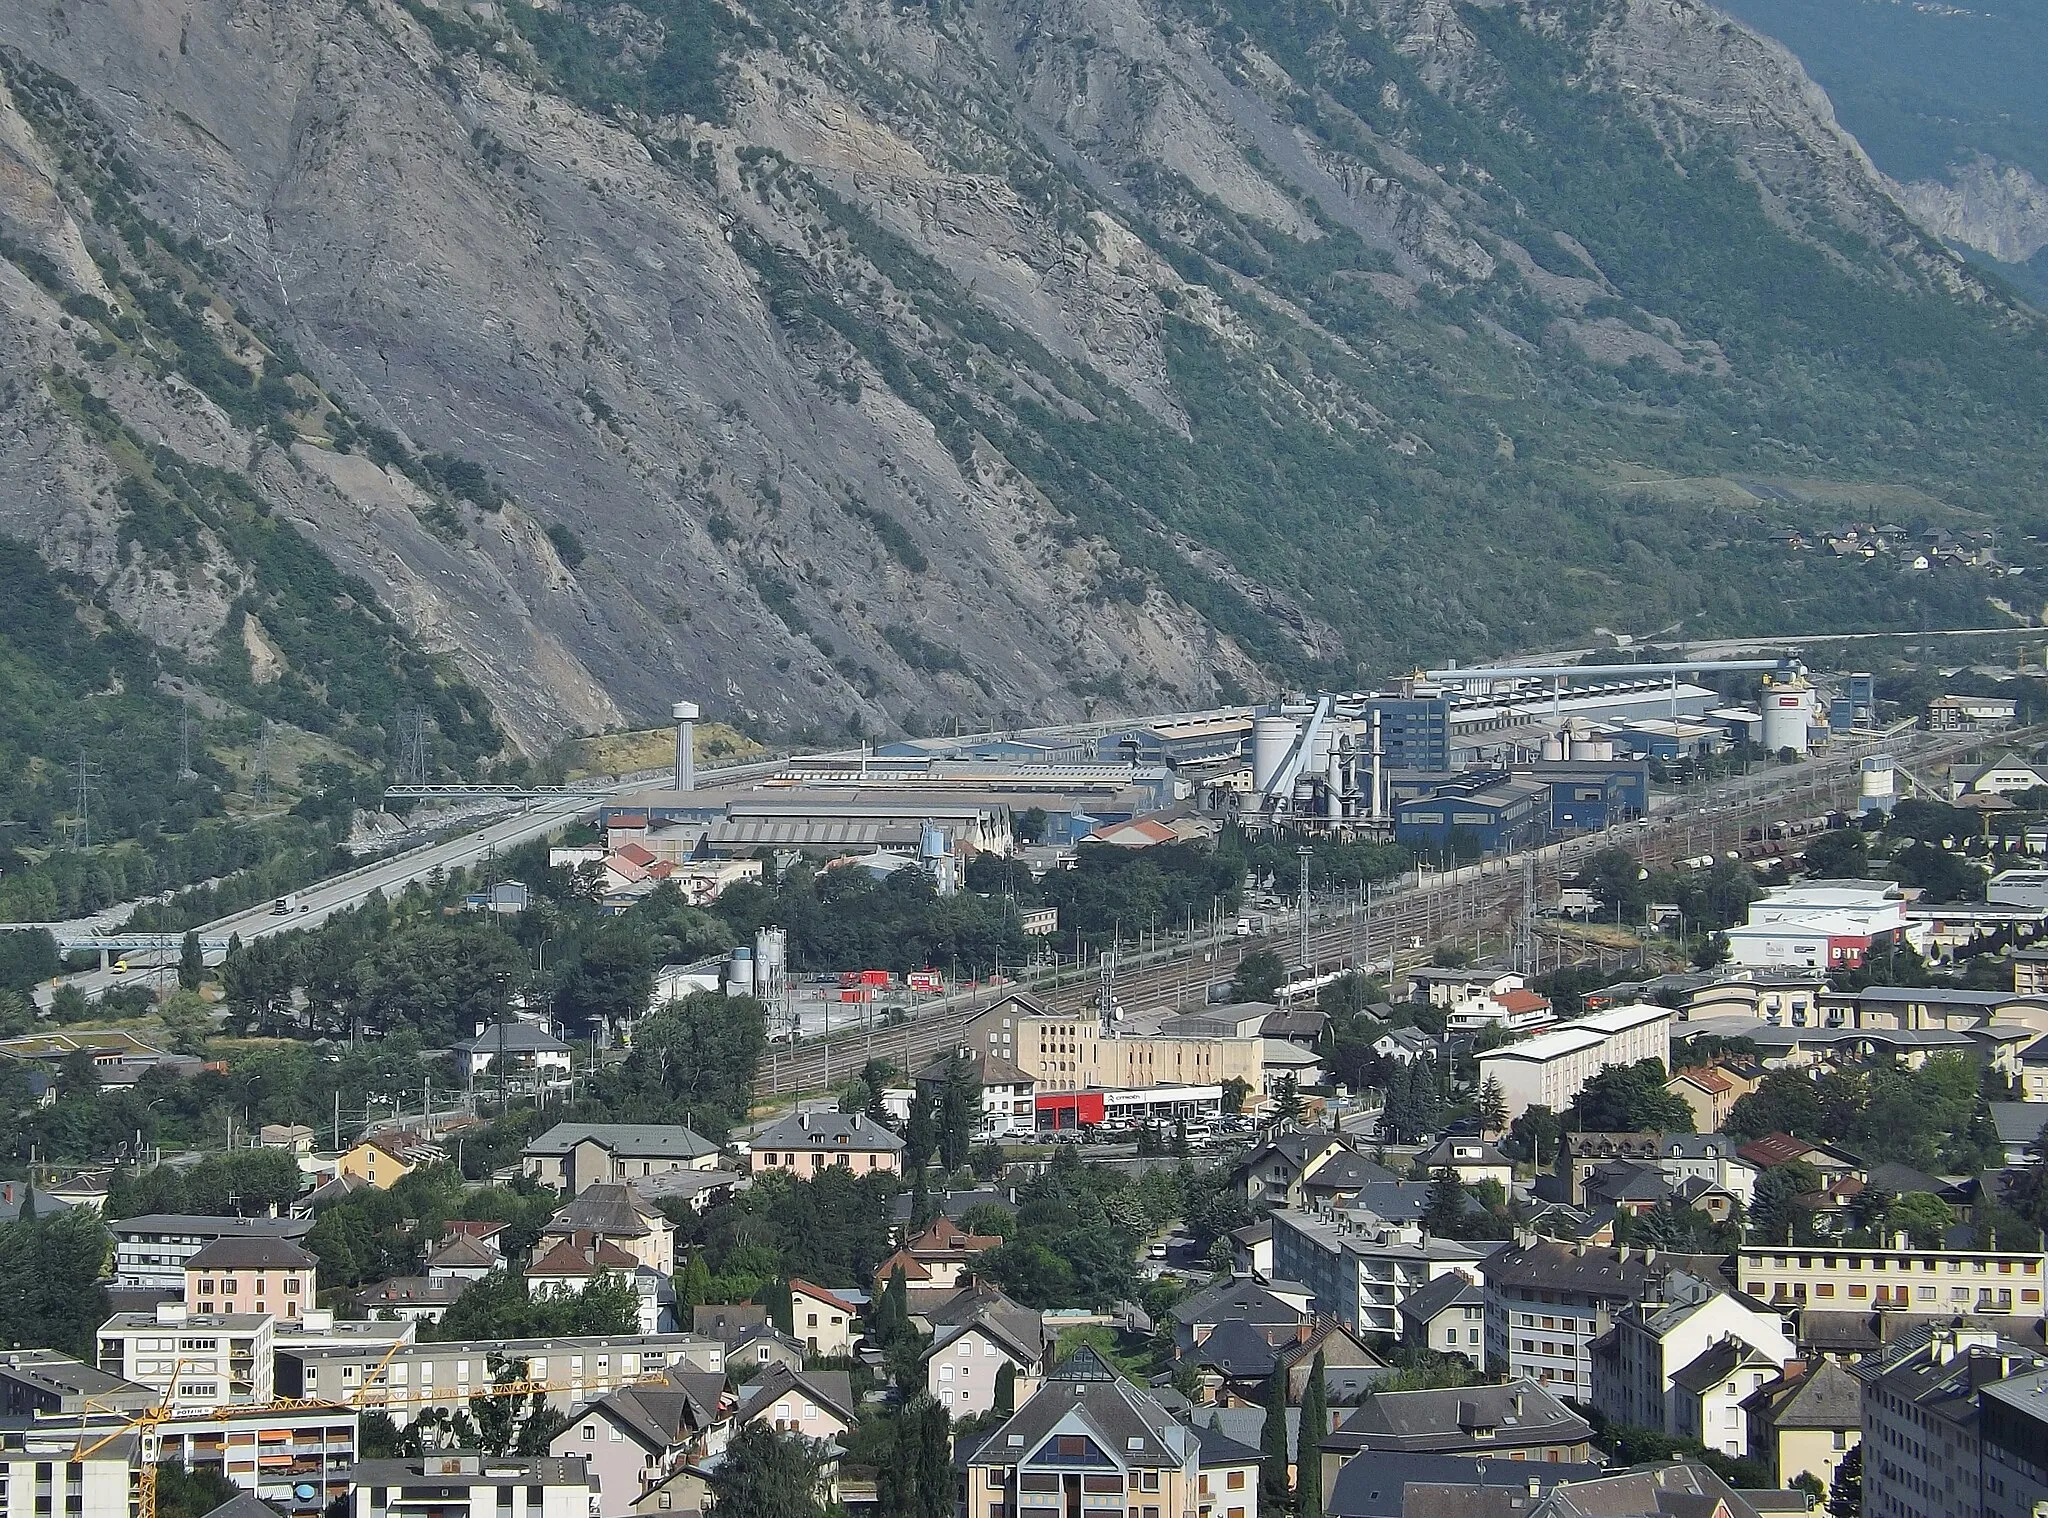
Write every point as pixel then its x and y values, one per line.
pixel 1480 759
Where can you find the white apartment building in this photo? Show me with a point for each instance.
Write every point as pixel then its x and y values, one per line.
pixel 1360 1268
pixel 1635 1364
pixel 203 1360
pixel 1551 1068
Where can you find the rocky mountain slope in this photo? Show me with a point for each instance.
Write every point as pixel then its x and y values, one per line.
pixel 875 365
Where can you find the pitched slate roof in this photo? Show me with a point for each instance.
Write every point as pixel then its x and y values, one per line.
pixel 1826 1396
pixel 828 1130
pixel 1445 1421
pixel 1452 1289
pixel 1237 1349
pixel 1240 1300
pixel 667 1141
pixel 251 1254
pixel 830 1389
pixel 608 1208
pixel 1376 1488
pixel 1116 1414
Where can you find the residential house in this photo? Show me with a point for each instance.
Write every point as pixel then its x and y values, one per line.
pixel 525 1055
pixel 1708 1395
pixel 1227 1483
pixel 1710 1093
pixel 725 1321
pixel 569 1264
pixel 618 1214
pixel 762 1345
pixel 1278 1313
pixel 1517 1011
pixel 1775 1149
pixel 446 1482
pixel 937 1257
pixel 1006 1090
pixel 817 1404
pixel 1404 1046
pixel 465 1254
pixel 409 1299
pixel 1471 1160
pixel 1709 1158
pixel 1445 987
pixel 1584 1153
pixel 969 1355
pixel 1088 1430
pixel 1804 1422
pixel 1341 1179
pixel 824 1320
pixel 634 1439
pixel 381 1160
pixel 1636 1362
pixel 293 1138
pixel 253 1274
pixel 572 1157
pixel 1448 1315
pixel 807 1142
pixel 1273 1174
pixel 17 1197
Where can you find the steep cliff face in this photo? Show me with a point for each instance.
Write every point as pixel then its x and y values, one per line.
pixel 1997 208
pixel 883 365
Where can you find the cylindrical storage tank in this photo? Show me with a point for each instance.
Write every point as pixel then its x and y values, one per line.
pixel 1878 784
pixel 770 950
pixel 931 842
pixel 1273 738
pixel 1596 750
pixel 1787 713
pixel 739 973
pixel 1553 748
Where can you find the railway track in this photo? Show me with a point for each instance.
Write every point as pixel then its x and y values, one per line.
pixel 1402 925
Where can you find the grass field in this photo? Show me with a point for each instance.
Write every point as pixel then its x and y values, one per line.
pixel 624 753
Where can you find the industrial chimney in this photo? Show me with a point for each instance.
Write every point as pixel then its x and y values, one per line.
pixel 686 715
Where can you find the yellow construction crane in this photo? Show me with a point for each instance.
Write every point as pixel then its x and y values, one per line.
pixel 144 1423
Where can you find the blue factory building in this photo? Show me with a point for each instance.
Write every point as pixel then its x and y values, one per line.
pixel 1496 810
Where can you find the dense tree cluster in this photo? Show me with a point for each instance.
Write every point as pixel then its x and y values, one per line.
pixel 1933 1118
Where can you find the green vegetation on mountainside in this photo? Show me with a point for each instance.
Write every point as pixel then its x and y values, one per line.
pixel 79 684
pixel 1413 533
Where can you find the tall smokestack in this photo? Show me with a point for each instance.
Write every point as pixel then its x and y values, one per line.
pixel 686 715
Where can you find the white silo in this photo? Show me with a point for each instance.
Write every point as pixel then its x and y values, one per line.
pixel 1273 739
pixel 1878 785
pixel 1787 713
pixel 686 715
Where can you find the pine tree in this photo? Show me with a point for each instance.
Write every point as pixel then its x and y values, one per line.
pixel 1287 1100
pixel 1308 1444
pixel 1493 1108
pixel 1274 1487
pixel 191 964
pixel 1443 1214
pixel 1006 1389
pixel 935 1463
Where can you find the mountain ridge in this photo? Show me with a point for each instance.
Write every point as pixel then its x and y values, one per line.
pixel 1000 361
